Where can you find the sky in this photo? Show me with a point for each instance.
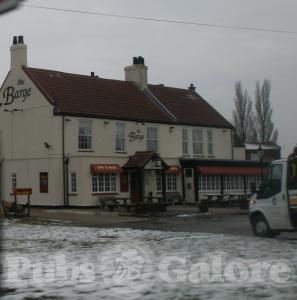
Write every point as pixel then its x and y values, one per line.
pixel 211 58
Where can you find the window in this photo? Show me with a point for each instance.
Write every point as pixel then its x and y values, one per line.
pixel 152 139
pixel 73 182
pixel 197 137
pixel 253 180
pixel 273 182
pixel 233 183
pixel 13 181
pixel 171 182
pixel 85 135
pixel 292 174
pixel 209 183
pixel 104 182
pixel 185 141
pixel 209 142
pixel 120 137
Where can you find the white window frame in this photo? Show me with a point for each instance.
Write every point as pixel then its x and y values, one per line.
pixel 120 137
pixel 185 141
pixel 197 141
pixel 13 180
pixel 73 182
pixel 171 181
pixel 152 142
pixel 233 183
pixel 210 142
pixel 104 182
pixel 209 183
pixel 257 179
pixel 85 134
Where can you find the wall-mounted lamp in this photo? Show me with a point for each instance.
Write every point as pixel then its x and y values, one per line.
pixel 68 120
pixel 106 122
pixel 171 128
pixel 47 145
pixel 142 123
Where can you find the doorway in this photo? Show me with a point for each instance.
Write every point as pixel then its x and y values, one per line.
pixel 135 187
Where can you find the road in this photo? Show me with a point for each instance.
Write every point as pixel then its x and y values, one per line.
pixel 231 221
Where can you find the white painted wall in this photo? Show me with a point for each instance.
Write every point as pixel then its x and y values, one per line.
pixel 27 123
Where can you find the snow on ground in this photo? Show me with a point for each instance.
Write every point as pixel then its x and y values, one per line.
pixel 60 261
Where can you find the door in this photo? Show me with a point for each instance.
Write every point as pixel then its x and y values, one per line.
pixel 272 198
pixel 135 188
pixel 189 186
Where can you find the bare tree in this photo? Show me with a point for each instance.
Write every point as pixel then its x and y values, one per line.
pixel 264 127
pixel 242 115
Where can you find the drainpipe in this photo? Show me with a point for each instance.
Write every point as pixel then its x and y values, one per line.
pixel 1 179
pixel 232 144
pixel 63 162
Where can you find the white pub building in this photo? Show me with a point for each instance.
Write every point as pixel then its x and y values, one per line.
pixel 75 138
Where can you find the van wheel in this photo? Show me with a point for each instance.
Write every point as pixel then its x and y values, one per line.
pixel 261 227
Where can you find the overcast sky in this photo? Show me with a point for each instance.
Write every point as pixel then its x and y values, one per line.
pixel 176 55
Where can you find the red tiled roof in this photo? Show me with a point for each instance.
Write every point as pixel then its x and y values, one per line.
pixel 189 107
pixel 91 96
pixel 139 159
pixel 95 97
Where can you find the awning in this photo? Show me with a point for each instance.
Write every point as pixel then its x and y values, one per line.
pixel 105 168
pixel 174 170
pixel 207 170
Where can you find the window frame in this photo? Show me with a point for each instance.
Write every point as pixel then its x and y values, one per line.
pixel 88 143
pixel 210 146
pixel 73 182
pixel 197 142
pixel 154 139
pixel 171 181
pixel 185 141
pixel 120 137
pixel 14 180
pixel 104 183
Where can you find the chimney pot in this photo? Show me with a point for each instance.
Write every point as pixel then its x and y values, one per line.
pixel 141 60
pixel 92 74
pixel 20 39
pixel 135 60
pixel 192 88
pixel 15 40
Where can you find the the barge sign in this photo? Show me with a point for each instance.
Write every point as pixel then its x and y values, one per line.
pixel 12 94
pixel 135 136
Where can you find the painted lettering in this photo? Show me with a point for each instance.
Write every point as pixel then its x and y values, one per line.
pixel 135 137
pixel 10 95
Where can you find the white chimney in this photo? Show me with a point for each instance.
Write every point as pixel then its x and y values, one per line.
pixel 18 52
pixel 137 73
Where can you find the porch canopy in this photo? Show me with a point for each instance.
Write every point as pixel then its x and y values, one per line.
pixel 145 160
pixel 137 165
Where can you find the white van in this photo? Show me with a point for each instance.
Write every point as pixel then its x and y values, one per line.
pixel 273 209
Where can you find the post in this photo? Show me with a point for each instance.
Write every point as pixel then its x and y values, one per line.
pixel 29 209
pixel 196 186
pixel 163 179
pixel 15 203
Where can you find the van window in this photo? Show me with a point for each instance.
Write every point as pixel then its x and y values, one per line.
pixel 292 174
pixel 273 182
